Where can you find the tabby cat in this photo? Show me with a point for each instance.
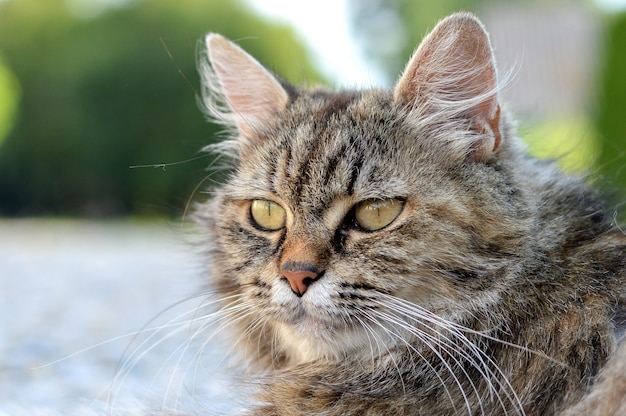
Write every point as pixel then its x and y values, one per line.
pixel 396 252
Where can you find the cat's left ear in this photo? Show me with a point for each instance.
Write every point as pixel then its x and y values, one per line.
pixel 239 91
pixel 453 73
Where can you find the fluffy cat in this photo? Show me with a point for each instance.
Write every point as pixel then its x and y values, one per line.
pixel 390 252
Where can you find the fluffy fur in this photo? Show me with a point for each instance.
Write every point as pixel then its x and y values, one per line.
pixel 498 290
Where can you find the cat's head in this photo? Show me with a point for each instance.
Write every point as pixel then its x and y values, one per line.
pixel 344 207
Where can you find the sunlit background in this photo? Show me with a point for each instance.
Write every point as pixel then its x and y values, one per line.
pixel 100 135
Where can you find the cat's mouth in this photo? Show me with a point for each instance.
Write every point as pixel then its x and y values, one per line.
pixel 315 315
pixel 309 319
pixel 316 335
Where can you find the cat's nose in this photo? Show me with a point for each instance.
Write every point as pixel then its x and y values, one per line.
pixel 299 275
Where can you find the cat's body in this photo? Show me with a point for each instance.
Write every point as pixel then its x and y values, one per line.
pixel 397 252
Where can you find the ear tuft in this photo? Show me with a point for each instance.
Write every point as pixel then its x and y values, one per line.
pixel 453 72
pixel 237 89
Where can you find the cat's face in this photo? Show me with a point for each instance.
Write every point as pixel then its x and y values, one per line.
pixel 353 200
pixel 344 205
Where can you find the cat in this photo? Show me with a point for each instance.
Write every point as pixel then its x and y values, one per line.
pixel 397 252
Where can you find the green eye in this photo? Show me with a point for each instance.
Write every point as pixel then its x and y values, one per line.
pixel 267 215
pixel 374 214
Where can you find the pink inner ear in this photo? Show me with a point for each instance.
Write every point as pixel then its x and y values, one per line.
pixel 494 124
pixel 253 94
pixel 490 129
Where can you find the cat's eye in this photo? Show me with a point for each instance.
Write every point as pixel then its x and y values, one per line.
pixel 267 215
pixel 374 214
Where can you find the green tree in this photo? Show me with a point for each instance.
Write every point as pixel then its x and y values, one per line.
pixel 101 95
pixel 9 100
pixel 610 120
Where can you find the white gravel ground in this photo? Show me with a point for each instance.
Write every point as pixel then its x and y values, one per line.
pixel 73 295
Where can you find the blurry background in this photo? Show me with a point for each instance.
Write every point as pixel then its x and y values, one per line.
pixel 93 91
pixel 99 123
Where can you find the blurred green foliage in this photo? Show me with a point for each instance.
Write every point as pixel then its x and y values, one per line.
pixel 9 100
pixel 572 140
pixel 611 111
pixel 117 90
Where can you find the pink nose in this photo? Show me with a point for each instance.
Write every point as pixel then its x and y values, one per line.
pixel 299 276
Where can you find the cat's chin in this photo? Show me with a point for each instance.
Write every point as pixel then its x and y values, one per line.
pixel 309 338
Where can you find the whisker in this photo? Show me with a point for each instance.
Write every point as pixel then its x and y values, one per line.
pixel 450 324
pixel 426 339
pixel 413 349
pixel 175 326
pixel 368 330
pixel 420 315
pixel 391 356
pixel 457 330
pixel 226 318
pixel 233 316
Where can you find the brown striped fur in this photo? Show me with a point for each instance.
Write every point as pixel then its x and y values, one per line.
pixel 500 288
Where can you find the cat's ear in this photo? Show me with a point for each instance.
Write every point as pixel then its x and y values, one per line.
pixel 240 90
pixel 453 71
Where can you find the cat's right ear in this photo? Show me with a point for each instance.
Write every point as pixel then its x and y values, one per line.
pixel 453 75
pixel 238 90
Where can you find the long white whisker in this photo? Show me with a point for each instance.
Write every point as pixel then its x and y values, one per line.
pixel 457 331
pixel 449 324
pixel 175 324
pixel 444 341
pixel 432 343
pixel 368 330
pixel 487 374
pixel 417 313
pixel 225 316
pixel 421 337
pixel 234 316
